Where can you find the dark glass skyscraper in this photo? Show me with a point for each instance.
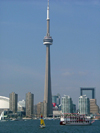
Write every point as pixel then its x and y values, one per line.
pixel 56 100
pixel 89 92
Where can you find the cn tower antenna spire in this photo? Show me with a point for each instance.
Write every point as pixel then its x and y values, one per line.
pixel 48 10
pixel 48 2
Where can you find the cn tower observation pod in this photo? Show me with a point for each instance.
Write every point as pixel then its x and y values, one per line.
pixel 47 40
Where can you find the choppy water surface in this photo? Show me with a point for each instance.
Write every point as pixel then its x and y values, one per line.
pixel 52 126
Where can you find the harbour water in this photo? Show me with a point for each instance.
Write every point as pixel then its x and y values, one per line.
pixel 52 126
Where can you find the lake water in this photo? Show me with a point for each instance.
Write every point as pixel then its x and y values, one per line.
pixel 52 126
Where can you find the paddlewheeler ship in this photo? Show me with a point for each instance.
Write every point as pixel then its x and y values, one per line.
pixel 75 119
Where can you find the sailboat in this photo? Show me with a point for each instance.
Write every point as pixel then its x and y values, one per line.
pixel 42 124
pixel 2 117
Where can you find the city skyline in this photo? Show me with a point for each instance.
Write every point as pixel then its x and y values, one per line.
pixel 75 57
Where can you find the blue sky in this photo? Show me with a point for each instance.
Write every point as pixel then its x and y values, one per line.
pixel 75 53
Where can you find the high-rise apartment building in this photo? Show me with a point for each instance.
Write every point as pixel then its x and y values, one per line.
pixel 29 104
pixel 89 92
pixel 84 105
pixel 13 102
pixel 67 104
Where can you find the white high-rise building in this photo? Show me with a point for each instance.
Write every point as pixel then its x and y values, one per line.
pixel 67 104
pixel 84 105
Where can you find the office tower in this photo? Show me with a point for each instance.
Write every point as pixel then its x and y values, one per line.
pixel 29 104
pixel 47 90
pixel 67 104
pixel 89 92
pixel 13 102
pixel 94 108
pixel 74 108
pixel 56 101
pixel 84 105
pixel 40 109
pixel 35 110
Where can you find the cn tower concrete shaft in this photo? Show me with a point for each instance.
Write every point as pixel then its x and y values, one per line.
pixel 47 90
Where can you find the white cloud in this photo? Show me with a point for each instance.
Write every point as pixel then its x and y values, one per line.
pixel 68 73
pixel 82 73
pixel 76 73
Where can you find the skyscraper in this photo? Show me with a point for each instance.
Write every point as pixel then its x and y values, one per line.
pixel 13 102
pixel 89 92
pixel 84 105
pixel 40 108
pixel 47 90
pixel 67 104
pixel 56 102
pixel 29 104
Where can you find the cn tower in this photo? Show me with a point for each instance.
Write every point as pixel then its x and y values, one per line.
pixel 47 90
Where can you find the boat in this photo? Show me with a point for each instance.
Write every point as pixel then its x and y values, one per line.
pixel 75 120
pixel 2 118
pixel 42 124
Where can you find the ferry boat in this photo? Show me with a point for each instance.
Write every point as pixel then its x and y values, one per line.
pixel 75 119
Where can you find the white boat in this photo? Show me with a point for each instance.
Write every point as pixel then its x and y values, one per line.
pixel 42 124
pixel 2 117
pixel 75 120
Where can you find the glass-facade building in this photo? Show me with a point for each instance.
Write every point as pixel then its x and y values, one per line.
pixel 74 108
pixel 89 92
pixel 84 105
pixel 56 101
pixel 67 104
